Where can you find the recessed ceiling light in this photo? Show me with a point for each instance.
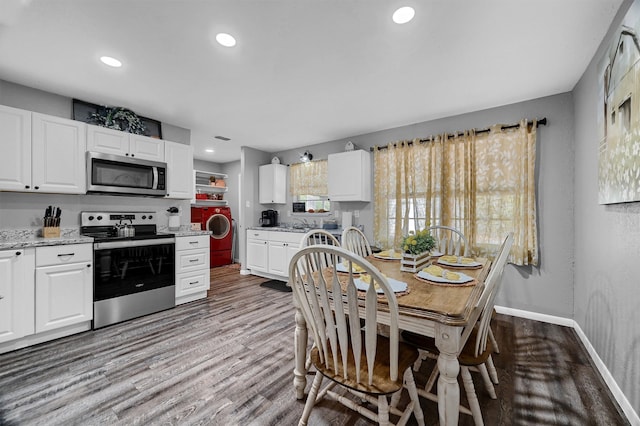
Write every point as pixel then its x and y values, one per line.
pixel 225 39
pixel 112 62
pixel 209 150
pixel 403 15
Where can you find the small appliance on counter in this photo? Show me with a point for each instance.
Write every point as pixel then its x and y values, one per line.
pixel 269 218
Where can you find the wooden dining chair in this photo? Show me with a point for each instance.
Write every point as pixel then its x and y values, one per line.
pixel 353 239
pixel 319 236
pixel 477 347
pixel 369 366
pixel 449 240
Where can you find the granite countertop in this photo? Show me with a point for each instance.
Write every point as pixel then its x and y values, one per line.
pixel 337 231
pixel 25 238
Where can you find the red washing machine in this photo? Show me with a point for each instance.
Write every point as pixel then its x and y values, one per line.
pixel 218 221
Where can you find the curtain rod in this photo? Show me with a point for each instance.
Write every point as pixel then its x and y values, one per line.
pixel 540 122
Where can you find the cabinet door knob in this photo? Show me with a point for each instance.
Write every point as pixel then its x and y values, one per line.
pixel 36 187
pixel 27 187
pixel 18 253
pixel 89 265
pixel 1 297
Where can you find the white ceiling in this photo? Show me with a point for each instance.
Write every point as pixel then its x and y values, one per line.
pixel 303 71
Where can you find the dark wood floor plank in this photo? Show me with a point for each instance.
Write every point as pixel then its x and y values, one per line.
pixel 228 360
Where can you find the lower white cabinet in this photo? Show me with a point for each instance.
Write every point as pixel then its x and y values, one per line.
pixel 192 268
pixel 64 286
pixel 45 293
pixel 257 250
pixel 269 252
pixel 16 293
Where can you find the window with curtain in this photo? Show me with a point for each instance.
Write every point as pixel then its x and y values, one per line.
pixel 308 184
pixel 482 184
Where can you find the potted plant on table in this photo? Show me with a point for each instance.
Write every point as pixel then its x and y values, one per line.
pixel 416 250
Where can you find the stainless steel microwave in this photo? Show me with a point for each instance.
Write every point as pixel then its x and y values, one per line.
pixel 115 174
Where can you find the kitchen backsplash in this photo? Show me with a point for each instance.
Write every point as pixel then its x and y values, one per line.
pixel 25 211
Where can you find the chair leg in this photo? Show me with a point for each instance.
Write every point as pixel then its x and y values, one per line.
pixel 492 371
pixel 383 411
pixel 311 400
pixel 410 384
pixel 488 384
pixel 472 398
pixel 493 340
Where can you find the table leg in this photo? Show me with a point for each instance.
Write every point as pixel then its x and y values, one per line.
pixel 448 343
pixel 300 345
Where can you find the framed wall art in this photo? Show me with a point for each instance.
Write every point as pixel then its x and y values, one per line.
pixel 619 114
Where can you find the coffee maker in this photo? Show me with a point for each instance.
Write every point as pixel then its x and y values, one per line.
pixel 269 218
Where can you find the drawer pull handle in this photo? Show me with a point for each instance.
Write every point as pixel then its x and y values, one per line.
pixel 1 297
pixel 193 242
pixel 194 282
pixel 193 260
pixel 139 285
pixel 66 254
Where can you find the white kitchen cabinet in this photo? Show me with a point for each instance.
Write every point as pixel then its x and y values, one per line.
pixel 41 153
pixel 109 141
pixel 269 252
pixel 16 293
pixel 58 155
pixel 179 159
pixel 349 176
pixel 15 161
pixel 282 247
pixel 273 184
pixel 257 250
pixel 64 286
pixel 192 268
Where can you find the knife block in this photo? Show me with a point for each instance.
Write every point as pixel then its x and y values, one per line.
pixel 51 232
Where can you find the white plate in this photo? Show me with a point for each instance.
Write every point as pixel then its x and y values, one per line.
pixel 471 265
pixel 340 267
pixel 463 278
pixel 436 254
pixel 396 286
pixel 377 255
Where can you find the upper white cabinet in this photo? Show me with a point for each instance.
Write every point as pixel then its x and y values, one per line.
pixel 350 176
pixel 179 158
pixel 58 155
pixel 273 184
pixel 41 153
pixel 109 141
pixel 15 143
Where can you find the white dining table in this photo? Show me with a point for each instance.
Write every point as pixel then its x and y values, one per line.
pixel 434 310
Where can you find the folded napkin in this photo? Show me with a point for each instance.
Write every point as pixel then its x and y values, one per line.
pixel 456 259
pixel 437 271
pixel 390 253
pixel 355 268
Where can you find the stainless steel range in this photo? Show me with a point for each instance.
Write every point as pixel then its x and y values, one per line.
pixel 134 265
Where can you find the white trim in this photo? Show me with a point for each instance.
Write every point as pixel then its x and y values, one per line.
pixel 621 399
pixel 551 319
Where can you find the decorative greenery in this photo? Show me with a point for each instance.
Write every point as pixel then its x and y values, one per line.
pixel 118 118
pixel 417 243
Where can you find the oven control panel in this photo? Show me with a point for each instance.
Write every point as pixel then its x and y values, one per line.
pixel 117 218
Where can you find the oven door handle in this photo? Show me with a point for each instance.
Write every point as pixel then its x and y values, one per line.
pixel 133 243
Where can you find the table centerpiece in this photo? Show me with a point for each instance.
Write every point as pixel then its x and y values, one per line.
pixel 416 250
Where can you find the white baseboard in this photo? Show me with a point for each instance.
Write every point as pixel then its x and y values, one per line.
pixel 622 400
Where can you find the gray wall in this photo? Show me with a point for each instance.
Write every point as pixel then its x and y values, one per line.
pixel 548 288
pixel 607 248
pixel 250 208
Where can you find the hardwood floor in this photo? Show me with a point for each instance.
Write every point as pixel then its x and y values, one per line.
pixel 228 360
